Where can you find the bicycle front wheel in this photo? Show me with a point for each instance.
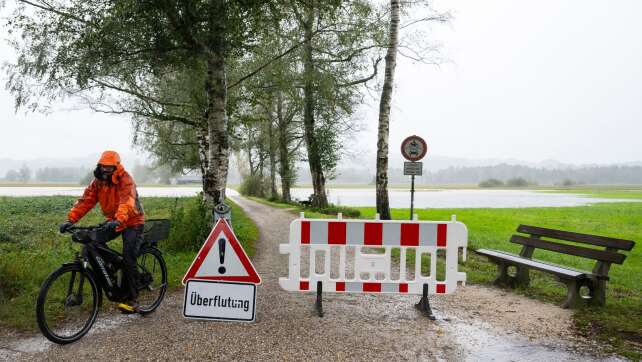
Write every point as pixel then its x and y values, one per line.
pixel 68 304
pixel 152 279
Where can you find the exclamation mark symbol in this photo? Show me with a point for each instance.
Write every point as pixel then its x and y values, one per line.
pixel 221 255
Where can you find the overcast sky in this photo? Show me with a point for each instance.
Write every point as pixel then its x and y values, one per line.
pixel 529 80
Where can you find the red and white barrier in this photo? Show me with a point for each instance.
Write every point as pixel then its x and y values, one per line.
pixel 382 275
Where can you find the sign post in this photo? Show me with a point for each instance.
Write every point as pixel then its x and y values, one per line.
pixel 413 149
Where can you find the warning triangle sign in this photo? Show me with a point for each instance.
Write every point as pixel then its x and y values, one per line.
pixel 222 258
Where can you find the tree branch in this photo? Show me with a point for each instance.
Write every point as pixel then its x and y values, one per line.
pixel 365 79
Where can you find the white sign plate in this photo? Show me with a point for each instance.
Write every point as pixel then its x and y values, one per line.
pixel 224 301
pixel 412 168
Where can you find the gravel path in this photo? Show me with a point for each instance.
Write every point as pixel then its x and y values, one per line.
pixel 474 323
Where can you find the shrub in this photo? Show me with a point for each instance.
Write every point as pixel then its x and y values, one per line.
pixel 491 182
pixel 334 210
pixel 254 185
pixel 517 182
pixel 568 182
pixel 190 226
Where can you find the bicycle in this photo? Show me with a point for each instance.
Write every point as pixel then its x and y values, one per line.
pixel 70 297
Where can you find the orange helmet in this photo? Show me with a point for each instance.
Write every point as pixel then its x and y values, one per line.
pixel 109 158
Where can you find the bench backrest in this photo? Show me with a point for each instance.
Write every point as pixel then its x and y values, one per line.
pixel 604 257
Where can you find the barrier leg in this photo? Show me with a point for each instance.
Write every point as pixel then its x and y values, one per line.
pixel 424 304
pixel 319 303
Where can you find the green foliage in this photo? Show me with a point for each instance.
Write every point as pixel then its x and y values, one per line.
pixel 255 185
pixel 334 210
pixel 517 182
pixel 492 182
pixel 190 226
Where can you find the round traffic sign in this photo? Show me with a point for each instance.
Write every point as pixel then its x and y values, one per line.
pixel 414 148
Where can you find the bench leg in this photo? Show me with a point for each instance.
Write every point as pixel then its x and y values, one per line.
pixel 522 278
pixel 503 279
pixel 573 295
pixel 597 292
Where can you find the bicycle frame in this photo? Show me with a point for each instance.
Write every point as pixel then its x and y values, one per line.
pixel 91 258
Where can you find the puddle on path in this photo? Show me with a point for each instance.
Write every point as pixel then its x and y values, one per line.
pixel 479 342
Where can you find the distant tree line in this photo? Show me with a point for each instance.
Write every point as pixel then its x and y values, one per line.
pixel 47 174
pixel 568 177
pixel 502 175
pixel 82 175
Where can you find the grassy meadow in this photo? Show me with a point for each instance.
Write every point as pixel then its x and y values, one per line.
pixel 31 247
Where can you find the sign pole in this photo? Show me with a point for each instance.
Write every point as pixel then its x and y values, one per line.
pixel 412 195
pixel 413 149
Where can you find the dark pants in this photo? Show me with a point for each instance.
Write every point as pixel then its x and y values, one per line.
pixel 132 240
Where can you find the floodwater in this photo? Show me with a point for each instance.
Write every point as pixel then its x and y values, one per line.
pixel 437 199
pixel 480 342
pixel 442 199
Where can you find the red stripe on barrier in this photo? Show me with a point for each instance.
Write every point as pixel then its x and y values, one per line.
pixel 336 232
pixel 372 287
pixel 304 285
pixel 341 287
pixel 442 231
pixel 441 288
pixel 305 232
pixel 409 235
pixel 372 233
pixel 403 288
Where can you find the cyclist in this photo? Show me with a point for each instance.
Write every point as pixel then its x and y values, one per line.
pixel 114 189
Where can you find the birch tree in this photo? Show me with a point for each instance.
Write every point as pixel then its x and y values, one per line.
pixel 110 52
pixel 383 205
pixel 419 52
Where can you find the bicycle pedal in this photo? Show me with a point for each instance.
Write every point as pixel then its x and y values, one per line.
pixel 126 308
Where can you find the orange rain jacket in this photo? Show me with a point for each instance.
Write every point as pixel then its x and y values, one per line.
pixel 118 199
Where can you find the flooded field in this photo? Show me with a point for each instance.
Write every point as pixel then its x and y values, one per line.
pixel 366 197
pixel 441 199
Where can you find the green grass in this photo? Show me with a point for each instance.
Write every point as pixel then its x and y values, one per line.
pixel 31 247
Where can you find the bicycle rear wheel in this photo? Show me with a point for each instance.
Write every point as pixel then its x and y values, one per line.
pixel 68 304
pixel 153 279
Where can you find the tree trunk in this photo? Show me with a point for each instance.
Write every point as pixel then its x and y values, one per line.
pixel 249 153
pixel 314 158
pixel 383 204
pixel 272 150
pixel 216 91
pixel 207 177
pixel 284 154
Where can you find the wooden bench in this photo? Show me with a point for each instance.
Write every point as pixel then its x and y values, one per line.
pixel 574 279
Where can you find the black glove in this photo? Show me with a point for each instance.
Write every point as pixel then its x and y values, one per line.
pixel 65 225
pixel 112 225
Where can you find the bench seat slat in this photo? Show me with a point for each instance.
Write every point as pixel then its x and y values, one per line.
pixel 603 255
pixel 538 265
pixel 596 240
